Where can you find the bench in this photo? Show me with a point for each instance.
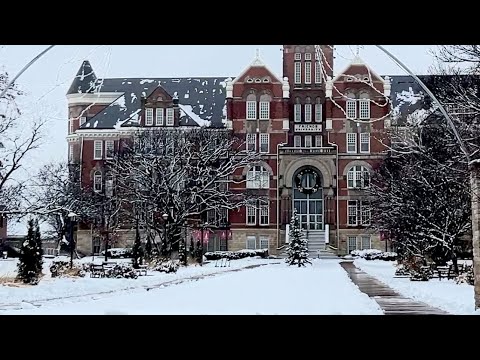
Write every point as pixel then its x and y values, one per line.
pixel 97 271
pixel 142 269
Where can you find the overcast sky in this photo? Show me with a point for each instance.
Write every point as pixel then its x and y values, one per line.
pixel 48 80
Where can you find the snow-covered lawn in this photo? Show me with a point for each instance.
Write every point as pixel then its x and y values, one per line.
pixel 323 288
pixel 443 294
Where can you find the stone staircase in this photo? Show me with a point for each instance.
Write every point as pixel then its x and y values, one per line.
pixel 317 248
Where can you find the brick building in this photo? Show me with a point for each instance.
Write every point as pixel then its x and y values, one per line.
pixel 319 137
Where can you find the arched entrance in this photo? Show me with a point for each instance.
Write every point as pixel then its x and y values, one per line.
pixel 308 198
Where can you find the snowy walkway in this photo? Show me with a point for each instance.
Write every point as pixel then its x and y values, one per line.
pixel 391 302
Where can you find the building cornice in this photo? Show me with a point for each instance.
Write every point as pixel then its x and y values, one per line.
pixel 100 98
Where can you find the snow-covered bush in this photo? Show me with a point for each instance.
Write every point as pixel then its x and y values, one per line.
pixel 422 274
pixel 121 270
pixel 466 277
pixel 235 255
pixel 118 253
pixel 373 254
pixel 402 271
pixel 62 268
pixel 169 266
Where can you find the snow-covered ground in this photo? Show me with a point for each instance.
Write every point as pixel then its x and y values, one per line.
pixel 443 294
pixel 276 288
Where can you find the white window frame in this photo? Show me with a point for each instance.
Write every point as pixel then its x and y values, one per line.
pixel 318 72
pixel 83 120
pixel 297 112
pixel 365 143
pixel 297 141
pixel 318 112
pixel 70 126
pixel 109 144
pixel 258 177
pixel 249 241
pixel 70 153
pixel 308 141
pixel 109 186
pixel 350 240
pixel 352 212
pixel 351 109
pixel 356 177
pixel 97 181
pixel 264 242
pixel 308 72
pixel 351 143
pixel 251 108
pixel 264 110
pixel 364 109
pixel 308 113
pixel 362 239
pixel 298 72
pixel 365 212
pixel 170 121
pixel 308 56
pixel 264 212
pixel 149 117
pixel 298 56
pixel 98 150
pixel 159 116
pixel 265 141
pixel 318 141
pixel 251 214
pixel 251 142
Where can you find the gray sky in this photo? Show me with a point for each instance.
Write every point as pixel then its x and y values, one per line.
pixel 47 81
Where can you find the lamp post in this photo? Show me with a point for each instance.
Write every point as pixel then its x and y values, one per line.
pixel 165 218
pixel 71 220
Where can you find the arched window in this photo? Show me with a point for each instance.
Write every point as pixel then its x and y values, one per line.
pixel 109 185
pixel 297 110
pixel 258 178
pixel 265 100
pixel 97 181
pixel 364 106
pixel 358 177
pixel 251 107
pixel 318 110
pixel 308 110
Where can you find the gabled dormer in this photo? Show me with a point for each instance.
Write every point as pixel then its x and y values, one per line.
pixel 160 109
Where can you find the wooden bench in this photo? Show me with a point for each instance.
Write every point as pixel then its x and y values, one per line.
pixel 97 271
pixel 142 269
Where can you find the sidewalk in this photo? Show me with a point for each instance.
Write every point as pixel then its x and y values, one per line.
pixel 391 302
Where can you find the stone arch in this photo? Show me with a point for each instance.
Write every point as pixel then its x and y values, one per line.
pixel 296 165
pixel 357 163
pixel 260 163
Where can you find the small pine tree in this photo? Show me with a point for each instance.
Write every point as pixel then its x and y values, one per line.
pixel 137 251
pixel 297 251
pixel 38 243
pixel 182 252
pixel 191 250
pixel 30 259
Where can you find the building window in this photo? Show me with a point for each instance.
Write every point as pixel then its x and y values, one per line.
pixel 308 56
pixel 70 126
pixel 97 181
pixel 318 141
pixel 83 120
pixel 251 215
pixel 308 113
pixel 364 105
pixel 159 117
pixel 351 109
pixel 352 212
pixel 251 242
pixel 170 117
pixel 308 72
pixel 109 149
pixel 264 110
pixel 318 111
pixel 251 142
pixel 298 73
pixel 318 72
pixel 264 143
pixel 352 243
pixel 297 113
pixel 298 56
pixel 297 141
pixel 351 143
pixel 149 117
pixel 264 214
pixel 365 143
pixel 70 153
pixel 98 150
pixel 358 177
pixel 366 242
pixel 264 242
pixel 308 141
pixel 366 212
pixel 258 178
pixel 109 186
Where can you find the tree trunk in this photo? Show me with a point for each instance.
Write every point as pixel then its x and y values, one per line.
pixel 475 191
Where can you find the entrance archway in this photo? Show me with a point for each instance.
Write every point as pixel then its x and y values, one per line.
pixel 308 198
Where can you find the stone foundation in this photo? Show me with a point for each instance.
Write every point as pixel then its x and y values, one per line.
pixel 239 239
